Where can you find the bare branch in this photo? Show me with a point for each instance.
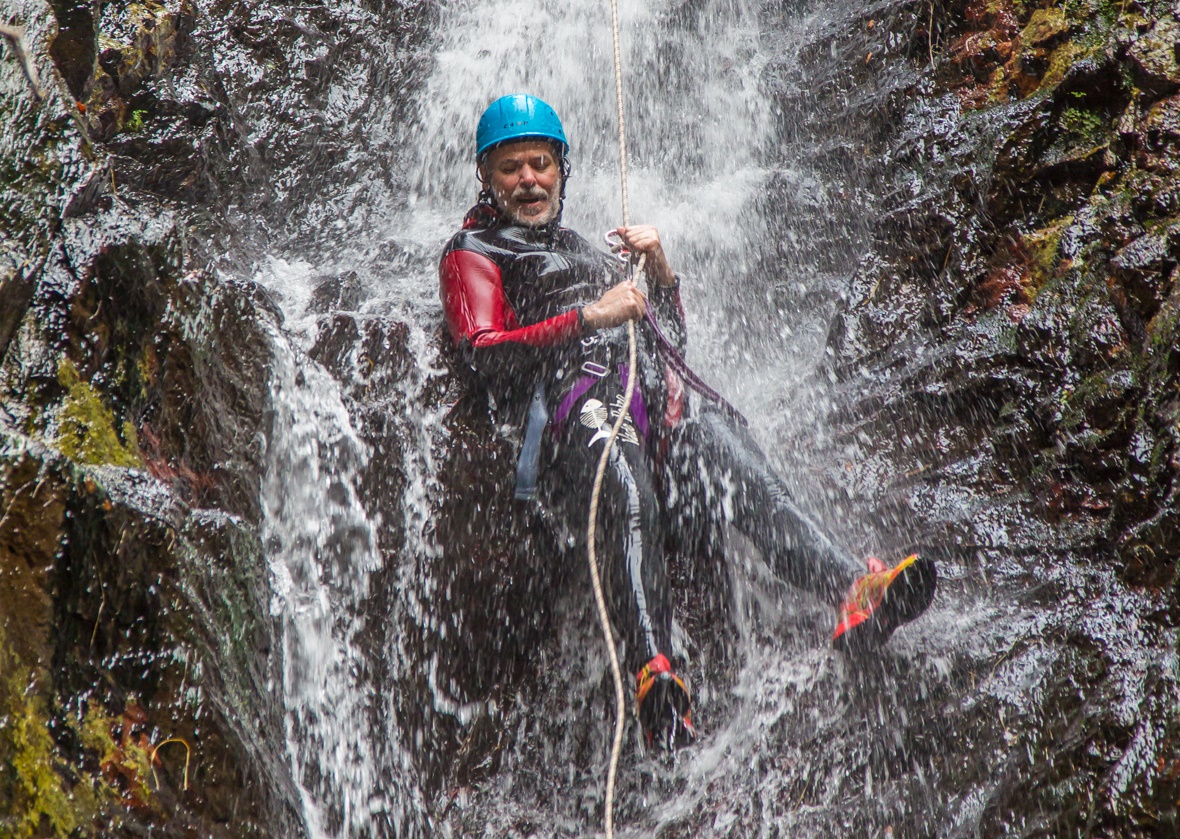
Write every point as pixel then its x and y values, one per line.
pixel 15 35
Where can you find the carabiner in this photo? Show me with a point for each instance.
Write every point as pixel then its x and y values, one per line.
pixel 617 246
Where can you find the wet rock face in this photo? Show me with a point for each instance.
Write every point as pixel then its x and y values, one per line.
pixel 135 602
pixel 1076 244
pixel 128 618
pixel 136 643
pixel 1008 354
pixel 74 47
pixel 115 601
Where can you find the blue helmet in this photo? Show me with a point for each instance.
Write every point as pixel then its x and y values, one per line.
pixel 518 116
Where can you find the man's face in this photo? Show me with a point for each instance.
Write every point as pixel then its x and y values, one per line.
pixel 526 180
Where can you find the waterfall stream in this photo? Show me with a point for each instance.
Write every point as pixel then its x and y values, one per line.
pixel 702 127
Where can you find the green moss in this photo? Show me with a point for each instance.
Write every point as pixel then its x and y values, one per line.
pixel 1064 57
pixel 1084 123
pixel 30 788
pixel 147 366
pixel 126 763
pixel 134 123
pixel 1044 25
pixel 1095 400
pixel 86 427
pixel 95 733
pixel 1043 246
pixel 36 799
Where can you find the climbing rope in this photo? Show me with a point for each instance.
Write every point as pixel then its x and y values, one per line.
pixel 624 408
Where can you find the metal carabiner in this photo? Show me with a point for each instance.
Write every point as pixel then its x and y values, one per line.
pixel 617 246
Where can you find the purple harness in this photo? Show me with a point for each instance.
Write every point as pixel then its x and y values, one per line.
pixel 638 407
pixel 676 361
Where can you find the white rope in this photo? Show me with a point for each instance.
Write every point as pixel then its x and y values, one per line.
pixel 624 409
pixel 614 22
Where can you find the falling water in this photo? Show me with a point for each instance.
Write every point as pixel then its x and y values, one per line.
pixel 322 550
pixel 701 127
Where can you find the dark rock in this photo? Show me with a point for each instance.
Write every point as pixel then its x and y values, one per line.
pixel 110 60
pixel 1153 58
pixel 92 615
pixel 74 49
pixel 336 293
pixel 85 199
pixel 369 354
pixel 1145 268
pixel 16 293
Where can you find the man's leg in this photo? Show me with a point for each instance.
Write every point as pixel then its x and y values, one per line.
pixel 629 541
pixel 719 475
pixel 630 548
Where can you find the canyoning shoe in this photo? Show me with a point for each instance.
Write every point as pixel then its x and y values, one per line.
pixel 663 705
pixel 882 600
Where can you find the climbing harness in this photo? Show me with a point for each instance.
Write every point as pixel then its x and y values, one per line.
pixel 595 578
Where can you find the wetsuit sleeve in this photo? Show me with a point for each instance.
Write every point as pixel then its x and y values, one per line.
pixel 669 312
pixel 480 317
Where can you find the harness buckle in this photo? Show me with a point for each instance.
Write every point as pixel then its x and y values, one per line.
pixel 593 368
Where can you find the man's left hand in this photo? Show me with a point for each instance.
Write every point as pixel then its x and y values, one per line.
pixel 645 239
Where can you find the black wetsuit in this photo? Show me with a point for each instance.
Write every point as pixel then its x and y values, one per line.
pixel 512 297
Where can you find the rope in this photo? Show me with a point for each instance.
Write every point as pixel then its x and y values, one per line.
pixel 624 409
pixel 596 579
pixel 614 22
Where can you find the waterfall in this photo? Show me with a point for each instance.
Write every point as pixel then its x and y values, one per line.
pixel 321 549
pixel 352 767
pixel 700 126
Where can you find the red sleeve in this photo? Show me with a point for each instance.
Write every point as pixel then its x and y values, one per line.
pixel 476 309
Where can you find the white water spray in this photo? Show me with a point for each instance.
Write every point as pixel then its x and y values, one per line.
pixel 698 125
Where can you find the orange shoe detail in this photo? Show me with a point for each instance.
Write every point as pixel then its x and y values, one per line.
pixel 646 677
pixel 663 705
pixel 870 602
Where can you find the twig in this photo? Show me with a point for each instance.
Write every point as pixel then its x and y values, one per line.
pixel 15 35
pixel 188 753
pixel 101 605
pixel 930 35
pixel 15 494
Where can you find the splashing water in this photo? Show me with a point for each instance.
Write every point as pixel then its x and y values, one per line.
pixel 321 547
pixel 699 127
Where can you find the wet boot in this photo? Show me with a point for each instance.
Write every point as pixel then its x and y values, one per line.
pixel 663 705
pixel 881 601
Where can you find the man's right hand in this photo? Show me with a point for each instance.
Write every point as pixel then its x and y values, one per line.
pixel 622 303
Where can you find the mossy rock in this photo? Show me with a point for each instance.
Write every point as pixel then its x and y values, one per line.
pixel 1046 27
pixel 35 797
pixel 87 431
pixel 93 565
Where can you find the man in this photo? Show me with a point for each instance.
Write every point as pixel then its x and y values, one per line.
pixel 538 313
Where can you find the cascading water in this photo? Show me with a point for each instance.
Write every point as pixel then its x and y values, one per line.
pixel 322 550
pixel 701 127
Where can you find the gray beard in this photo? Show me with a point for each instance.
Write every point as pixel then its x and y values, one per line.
pixel 542 220
pixel 548 218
